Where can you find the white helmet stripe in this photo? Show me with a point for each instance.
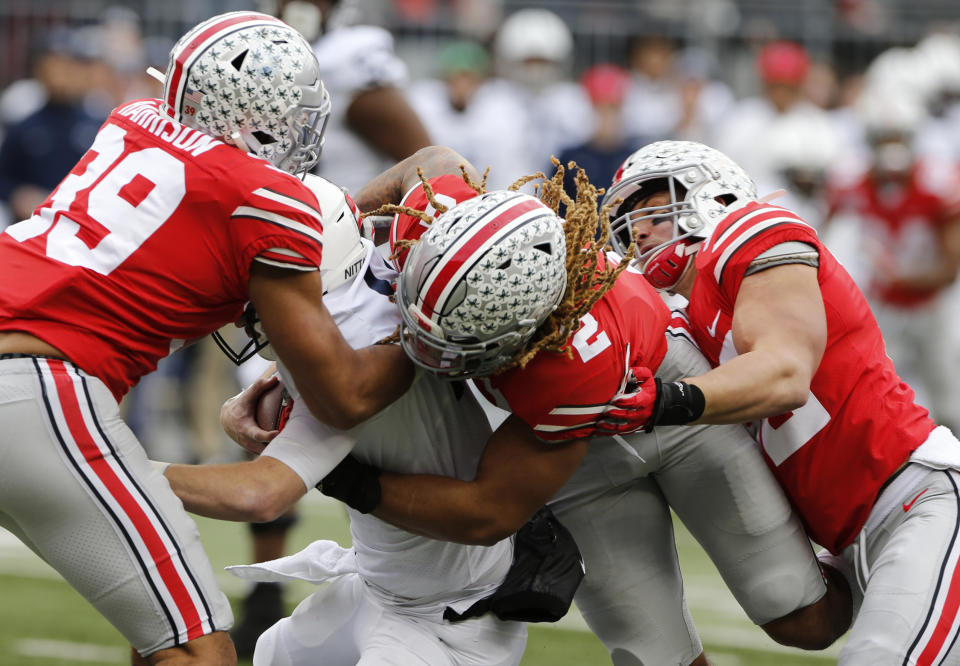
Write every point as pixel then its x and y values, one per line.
pixel 461 256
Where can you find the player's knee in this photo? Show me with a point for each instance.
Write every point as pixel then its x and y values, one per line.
pixel 214 649
pixel 813 627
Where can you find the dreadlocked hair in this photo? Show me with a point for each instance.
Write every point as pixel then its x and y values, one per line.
pixel 589 274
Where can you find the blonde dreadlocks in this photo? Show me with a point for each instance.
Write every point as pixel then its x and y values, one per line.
pixel 588 276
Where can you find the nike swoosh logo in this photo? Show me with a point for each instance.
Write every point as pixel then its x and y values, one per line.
pixel 712 328
pixel 907 505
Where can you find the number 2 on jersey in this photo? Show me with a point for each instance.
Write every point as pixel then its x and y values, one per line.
pixel 581 339
pixel 133 196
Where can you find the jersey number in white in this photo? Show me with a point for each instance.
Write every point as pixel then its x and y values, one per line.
pixel 135 195
pixel 581 339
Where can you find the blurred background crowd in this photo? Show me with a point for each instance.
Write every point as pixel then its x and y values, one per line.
pixel 852 107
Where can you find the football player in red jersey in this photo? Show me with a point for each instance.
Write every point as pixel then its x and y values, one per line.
pixel 465 315
pixel 797 351
pixel 183 209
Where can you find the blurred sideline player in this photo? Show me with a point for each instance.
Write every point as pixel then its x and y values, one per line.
pixel 371 126
pixel 389 592
pixel 614 494
pixel 908 211
pixel 159 236
pixel 796 350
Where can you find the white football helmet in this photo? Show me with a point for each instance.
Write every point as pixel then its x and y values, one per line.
pixel 704 185
pixel 343 252
pixel 343 255
pixel 478 284
pixel 249 77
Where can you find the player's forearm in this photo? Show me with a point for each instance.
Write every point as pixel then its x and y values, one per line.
pixel 753 386
pixel 390 186
pixel 359 383
pixel 243 492
pixel 446 509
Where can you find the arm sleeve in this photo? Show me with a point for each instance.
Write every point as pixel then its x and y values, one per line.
pixel 309 447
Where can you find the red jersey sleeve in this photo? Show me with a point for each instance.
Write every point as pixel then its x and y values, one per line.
pixel 744 235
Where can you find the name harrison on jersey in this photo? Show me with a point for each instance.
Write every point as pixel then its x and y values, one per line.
pixel 148 116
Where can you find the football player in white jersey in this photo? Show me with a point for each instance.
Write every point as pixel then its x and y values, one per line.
pixel 184 209
pixel 370 127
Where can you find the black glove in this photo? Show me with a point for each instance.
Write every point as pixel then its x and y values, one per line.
pixel 354 483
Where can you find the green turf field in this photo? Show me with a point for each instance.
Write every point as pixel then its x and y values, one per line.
pixel 43 622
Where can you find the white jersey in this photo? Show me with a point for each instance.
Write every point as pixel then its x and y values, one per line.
pixel 354 59
pixel 434 428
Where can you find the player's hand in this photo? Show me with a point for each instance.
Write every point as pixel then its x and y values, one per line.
pixel 238 416
pixel 636 408
pixel 354 483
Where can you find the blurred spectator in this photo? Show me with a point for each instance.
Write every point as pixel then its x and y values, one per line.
pixel 609 145
pixel 467 115
pixel 910 219
pixel 672 93
pixel 372 125
pixel 744 135
pixel 533 53
pixel 40 150
pixel 938 55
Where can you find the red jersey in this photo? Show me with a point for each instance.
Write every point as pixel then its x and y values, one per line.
pixel 147 244
pixel 860 422
pixel 557 392
pixel 902 228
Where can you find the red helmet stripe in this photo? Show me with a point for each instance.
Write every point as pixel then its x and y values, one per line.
pixel 477 241
pixel 174 78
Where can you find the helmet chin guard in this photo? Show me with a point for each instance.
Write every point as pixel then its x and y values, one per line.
pixel 669 262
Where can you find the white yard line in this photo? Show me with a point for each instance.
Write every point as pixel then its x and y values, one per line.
pixel 67 650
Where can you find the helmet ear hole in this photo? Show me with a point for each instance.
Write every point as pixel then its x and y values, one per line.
pixel 264 138
pixel 238 61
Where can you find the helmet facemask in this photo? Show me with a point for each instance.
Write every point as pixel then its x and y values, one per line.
pixel 704 186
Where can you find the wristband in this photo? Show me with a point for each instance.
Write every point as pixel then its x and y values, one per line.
pixel 678 403
pixel 354 483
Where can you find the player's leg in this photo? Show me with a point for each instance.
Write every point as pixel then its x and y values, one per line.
pixel 78 487
pixel 483 641
pixel 909 556
pixel 326 628
pixel 632 596
pixel 717 481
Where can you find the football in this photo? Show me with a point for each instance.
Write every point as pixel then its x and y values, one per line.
pixel 269 407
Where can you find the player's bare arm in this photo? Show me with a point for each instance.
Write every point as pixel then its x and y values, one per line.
pixel 341 386
pixel 780 332
pixel 392 184
pixel 518 473
pixel 384 118
pixel 256 491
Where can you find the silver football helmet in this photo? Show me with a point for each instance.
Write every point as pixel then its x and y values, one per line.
pixel 250 78
pixel 478 284
pixel 704 186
